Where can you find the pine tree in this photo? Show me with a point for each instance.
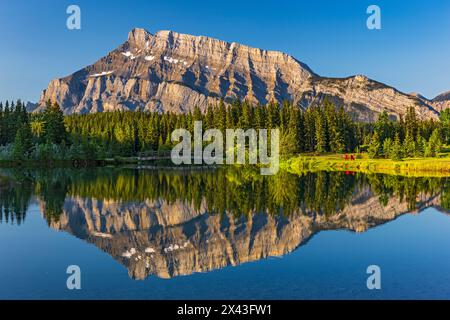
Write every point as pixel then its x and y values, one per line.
pixel 445 120
pixel 310 131
pixel 411 122
pixel 321 138
pixel 229 118
pixel 220 117
pixel 301 132
pixel 383 126
pixel 421 144
pixel 374 146
pixel 22 142
pixel 246 117
pixel 434 144
pixel 290 139
pixel 54 128
pixel 337 142
pixel 257 121
pixel 409 145
pixel 209 118
pixel 273 116
pixel 387 147
pixel 396 151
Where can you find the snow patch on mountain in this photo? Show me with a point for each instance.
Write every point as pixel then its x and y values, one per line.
pixel 104 73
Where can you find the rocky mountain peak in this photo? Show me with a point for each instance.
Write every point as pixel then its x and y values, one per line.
pixel 139 38
pixel 170 71
pixel 443 96
pixel 419 96
pixel 361 78
pixel 441 102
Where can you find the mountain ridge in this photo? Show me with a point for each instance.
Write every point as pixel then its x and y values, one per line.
pixel 170 71
pixel 168 240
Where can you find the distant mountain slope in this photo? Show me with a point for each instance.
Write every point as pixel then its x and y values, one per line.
pixel 169 71
pixel 30 107
pixel 442 101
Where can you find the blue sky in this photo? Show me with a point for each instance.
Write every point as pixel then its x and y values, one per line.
pixel 411 52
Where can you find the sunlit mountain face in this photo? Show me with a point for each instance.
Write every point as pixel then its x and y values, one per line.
pixel 174 72
pixel 168 224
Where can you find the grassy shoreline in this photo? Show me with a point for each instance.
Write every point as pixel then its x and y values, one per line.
pixel 425 167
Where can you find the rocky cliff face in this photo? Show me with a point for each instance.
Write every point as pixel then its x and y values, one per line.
pixel 441 102
pixel 169 240
pixel 174 72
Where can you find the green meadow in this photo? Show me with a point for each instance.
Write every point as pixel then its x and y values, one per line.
pixel 420 166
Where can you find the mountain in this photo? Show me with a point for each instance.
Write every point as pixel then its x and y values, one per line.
pixel 30 106
pixel 442 101
pixel 439 103
pixel 170 239
pixel 169 71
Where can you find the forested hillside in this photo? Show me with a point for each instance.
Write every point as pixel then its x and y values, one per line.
pixel 320 129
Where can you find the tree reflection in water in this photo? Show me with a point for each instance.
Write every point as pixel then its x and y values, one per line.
pixel 170 223
pixel 231 190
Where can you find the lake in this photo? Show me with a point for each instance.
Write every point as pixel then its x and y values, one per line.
pixel 225 233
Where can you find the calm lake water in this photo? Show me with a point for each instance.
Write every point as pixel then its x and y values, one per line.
pixel 222 234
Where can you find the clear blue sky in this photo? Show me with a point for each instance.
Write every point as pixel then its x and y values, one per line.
pixel 411 52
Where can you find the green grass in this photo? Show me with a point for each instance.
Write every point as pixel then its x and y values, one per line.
pixel 433 167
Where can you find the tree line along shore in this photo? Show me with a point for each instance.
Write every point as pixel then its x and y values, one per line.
pixel 317 137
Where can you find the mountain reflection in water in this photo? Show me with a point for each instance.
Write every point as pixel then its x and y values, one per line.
pixel 172 223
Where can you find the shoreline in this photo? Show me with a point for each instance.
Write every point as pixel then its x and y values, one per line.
pixel 414 167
